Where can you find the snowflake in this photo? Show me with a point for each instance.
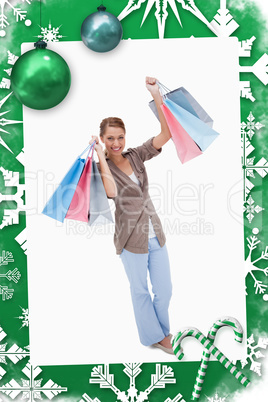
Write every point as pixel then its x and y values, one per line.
pixel 8 71
pixel 250 263
pixel 251 126
pixel 254 352
pixel 245 90
pixel 259 69
pixel 20 157
pixel 6 292
pixel 4 121
pixel 24 317
pixel 161 13
pixel 216 398
pixel 21 238
pixel 12 58
pixel 18 13
pixel 163 375
pixel 31 389
pixel 13 353
pixel 246 46
pixel 6 83
pixel 14 276
pixel 223 23
pixel 250 208
pixel 2 142
pixel 248 129
pixel 9 275
pixel 245 51
pixel 11 179
pixel 6 258
pixel 50 34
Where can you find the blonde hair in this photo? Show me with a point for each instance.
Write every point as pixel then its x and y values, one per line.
pixel 110 122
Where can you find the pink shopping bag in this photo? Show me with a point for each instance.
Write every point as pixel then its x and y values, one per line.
pixel 79 207
pixel 186 148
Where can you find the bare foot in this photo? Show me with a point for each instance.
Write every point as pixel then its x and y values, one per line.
pixel 166 342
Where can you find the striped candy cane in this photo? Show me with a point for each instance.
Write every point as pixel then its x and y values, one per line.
pixel 202 371
pixel 194 332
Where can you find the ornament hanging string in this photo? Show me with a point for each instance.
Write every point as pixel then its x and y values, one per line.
pixel 40 12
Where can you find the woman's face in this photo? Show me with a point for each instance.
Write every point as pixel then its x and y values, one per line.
pixel 114 140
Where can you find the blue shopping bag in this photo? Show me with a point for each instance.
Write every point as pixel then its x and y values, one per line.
pixel 201 133
pixel 183 98
pixel 198 110
pixel 58 204
pixel 189 113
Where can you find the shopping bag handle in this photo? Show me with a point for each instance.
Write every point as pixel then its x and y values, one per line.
pixel 91 147
pixel 88 148
pixel 163 89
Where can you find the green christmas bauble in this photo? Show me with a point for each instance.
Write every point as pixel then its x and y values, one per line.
pixel 101 31
pixel 40 78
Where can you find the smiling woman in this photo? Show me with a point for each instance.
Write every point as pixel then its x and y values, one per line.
pixel 139 237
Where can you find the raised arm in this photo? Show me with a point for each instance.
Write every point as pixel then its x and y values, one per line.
pixel 160 139
pixel 106 175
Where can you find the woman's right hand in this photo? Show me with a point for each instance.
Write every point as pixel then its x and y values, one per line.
pixel 97 147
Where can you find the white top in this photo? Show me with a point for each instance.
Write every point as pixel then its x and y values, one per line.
pixel 151 228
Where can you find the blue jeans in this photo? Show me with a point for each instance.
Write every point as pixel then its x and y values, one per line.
pixel 151 315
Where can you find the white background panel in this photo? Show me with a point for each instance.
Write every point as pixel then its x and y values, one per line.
pixel 79 297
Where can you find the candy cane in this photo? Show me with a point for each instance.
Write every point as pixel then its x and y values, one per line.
pixel 202 371
pixel 194 332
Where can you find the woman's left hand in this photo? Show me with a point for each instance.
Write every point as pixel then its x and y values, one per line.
pixel 152 86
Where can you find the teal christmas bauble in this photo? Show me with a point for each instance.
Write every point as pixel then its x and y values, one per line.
pixel 40 78
pixel 101 31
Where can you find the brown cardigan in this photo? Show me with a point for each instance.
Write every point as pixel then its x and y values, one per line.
pixel 133 203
